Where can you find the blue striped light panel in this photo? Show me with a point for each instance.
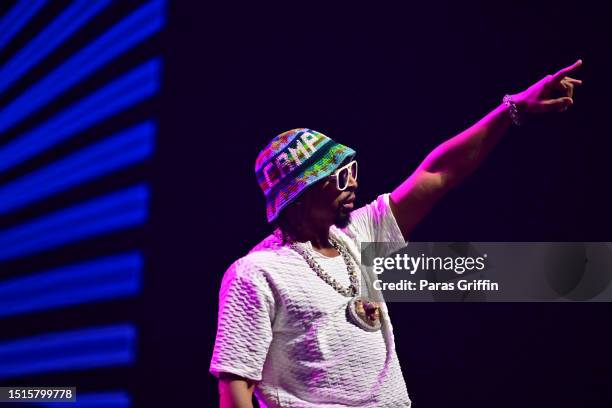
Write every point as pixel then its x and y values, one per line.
pixel 73 18
pixel 17 18
pixel 80 349
pixel 111 212
pixel 141 24
pixel 115 152
pixel 104 278
pixel 129 89
pixel 109 399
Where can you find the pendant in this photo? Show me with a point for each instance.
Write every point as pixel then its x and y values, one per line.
pixel 364 313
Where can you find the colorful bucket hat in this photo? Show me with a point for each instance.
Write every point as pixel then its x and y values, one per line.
pixel 293 161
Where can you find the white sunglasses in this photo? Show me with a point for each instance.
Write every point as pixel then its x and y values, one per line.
pixel 342 175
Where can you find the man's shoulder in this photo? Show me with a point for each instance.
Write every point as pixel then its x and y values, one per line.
pixel 264 265
pixel 267 253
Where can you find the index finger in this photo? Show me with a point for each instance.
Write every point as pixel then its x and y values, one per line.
pixel 567 70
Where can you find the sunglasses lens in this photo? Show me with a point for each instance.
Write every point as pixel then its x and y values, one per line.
pixel 343 177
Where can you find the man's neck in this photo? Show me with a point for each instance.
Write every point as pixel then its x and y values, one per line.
pixel 321 241
pixel 318 237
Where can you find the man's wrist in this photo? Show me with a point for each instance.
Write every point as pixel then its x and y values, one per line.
pixel 513 109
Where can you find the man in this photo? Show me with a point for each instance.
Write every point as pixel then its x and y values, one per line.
pixel 291 327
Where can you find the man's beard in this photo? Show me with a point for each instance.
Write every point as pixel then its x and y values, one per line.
pixel 342 219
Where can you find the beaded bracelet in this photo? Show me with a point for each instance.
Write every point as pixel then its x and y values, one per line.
pixel 514 114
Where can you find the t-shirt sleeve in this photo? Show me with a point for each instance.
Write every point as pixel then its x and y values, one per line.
pixel 375 222
pixel 244 328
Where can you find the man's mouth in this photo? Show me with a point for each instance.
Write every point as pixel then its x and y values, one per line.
pixel 348 203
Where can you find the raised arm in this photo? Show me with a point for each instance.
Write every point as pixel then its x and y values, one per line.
pixel 449 163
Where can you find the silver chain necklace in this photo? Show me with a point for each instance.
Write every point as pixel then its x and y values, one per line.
pixel 362 312
pixel 353 288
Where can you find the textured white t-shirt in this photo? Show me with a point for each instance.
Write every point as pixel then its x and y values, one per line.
pixel 281 325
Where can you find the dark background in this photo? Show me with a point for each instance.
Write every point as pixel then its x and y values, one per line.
pixel 392 80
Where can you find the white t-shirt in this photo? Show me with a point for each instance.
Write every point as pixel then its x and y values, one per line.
pixel 281 325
